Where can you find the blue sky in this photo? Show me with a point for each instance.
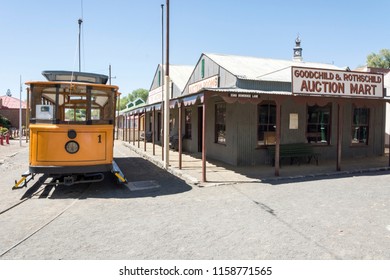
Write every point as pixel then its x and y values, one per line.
pixel 42 34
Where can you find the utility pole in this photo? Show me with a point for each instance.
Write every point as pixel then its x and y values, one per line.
pixel 118 102
pixel 20 113
pixel 166 97
pixel 162 81
pixel 109 73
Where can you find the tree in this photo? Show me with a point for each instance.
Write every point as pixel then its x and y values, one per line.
pixel 380 60
pixel 4 122
pixel 138 93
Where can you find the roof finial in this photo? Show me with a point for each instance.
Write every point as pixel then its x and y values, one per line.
pixel 298 41
pixel 297 50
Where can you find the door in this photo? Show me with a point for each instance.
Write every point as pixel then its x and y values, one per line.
pixel 158 126
pixel 200 128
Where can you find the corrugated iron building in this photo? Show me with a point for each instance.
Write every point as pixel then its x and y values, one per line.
pixel 235 107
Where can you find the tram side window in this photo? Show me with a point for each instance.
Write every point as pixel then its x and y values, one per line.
pixel 318 124
pixel 266 125
pixel 360 125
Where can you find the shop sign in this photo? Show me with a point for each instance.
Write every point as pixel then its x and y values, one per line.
pixel 321 82
pixel 155 95
pixel 243 95
pixel 211 82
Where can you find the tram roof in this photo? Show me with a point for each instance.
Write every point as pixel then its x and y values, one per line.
pixel 67 76
pixel 50 84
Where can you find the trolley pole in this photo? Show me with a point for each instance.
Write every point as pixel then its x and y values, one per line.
pixel 166 98
pixel 80 21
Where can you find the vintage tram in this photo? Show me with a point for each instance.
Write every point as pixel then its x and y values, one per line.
pixel 71 128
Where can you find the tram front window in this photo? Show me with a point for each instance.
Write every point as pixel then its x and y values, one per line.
pixel 78 104
pixel 75 115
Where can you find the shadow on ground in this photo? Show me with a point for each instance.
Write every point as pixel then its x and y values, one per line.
pixel 136 170
pixel 318 177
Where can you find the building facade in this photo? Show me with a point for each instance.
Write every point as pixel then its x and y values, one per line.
pixel 9 108
pixel 233 108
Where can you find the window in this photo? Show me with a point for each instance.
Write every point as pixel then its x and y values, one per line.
pixel 360 121
pixel 171 123
pixel 266 124
pixel 95 114
pixel 77 115
pixel 202 69
pixel 318 124
pixel 220 123
pixel 188 127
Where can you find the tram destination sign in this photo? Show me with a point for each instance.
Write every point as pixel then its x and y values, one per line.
pixel 323 82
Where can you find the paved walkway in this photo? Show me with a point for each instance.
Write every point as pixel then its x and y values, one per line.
pixel 218 173
pixel 7 151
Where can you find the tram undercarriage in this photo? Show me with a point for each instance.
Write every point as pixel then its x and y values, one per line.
pixel 70 178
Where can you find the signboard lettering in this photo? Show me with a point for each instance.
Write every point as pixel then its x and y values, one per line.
pixel 334 82
pixel 155 95
pixel 243 95
pixel 211 82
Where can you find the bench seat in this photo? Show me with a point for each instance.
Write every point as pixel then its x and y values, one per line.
pixel 295 152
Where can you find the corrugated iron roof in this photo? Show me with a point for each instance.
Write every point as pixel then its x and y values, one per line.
pixel 12 102
pixel 263 69
pixel 179 74
pixel 247 91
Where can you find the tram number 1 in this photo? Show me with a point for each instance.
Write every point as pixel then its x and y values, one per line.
pixel 99 138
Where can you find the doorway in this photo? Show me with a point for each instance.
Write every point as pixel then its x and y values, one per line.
pixel 200 128
pixel 158 125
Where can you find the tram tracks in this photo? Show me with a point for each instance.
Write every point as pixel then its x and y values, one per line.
pixel 48 221
pixel 40 190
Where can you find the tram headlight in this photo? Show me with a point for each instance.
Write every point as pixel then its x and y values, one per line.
pixel 72 134
pixel 72 147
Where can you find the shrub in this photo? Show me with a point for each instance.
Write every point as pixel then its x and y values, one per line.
pixel 4 122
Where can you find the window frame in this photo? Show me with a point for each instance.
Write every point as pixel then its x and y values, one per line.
pixel 318 134
pixel 220 126
pixel 354 131
pixel 188 123
pixel 268 124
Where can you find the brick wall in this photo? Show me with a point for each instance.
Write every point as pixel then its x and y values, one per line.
pixel 13 116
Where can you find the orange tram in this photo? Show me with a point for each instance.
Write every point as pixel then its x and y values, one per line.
pixel 71 128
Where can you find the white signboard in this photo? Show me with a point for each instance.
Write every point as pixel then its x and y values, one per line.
pixel 211 82
pixel 155 95
pixel 293 121
pixel 321 82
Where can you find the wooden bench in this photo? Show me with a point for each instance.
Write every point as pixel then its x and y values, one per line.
pixel 295 152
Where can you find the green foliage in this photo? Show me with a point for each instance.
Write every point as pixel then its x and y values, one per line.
pixel 138 93
pixel 70 115
pixel 3 131
pixel 380 60
pixel 4 122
